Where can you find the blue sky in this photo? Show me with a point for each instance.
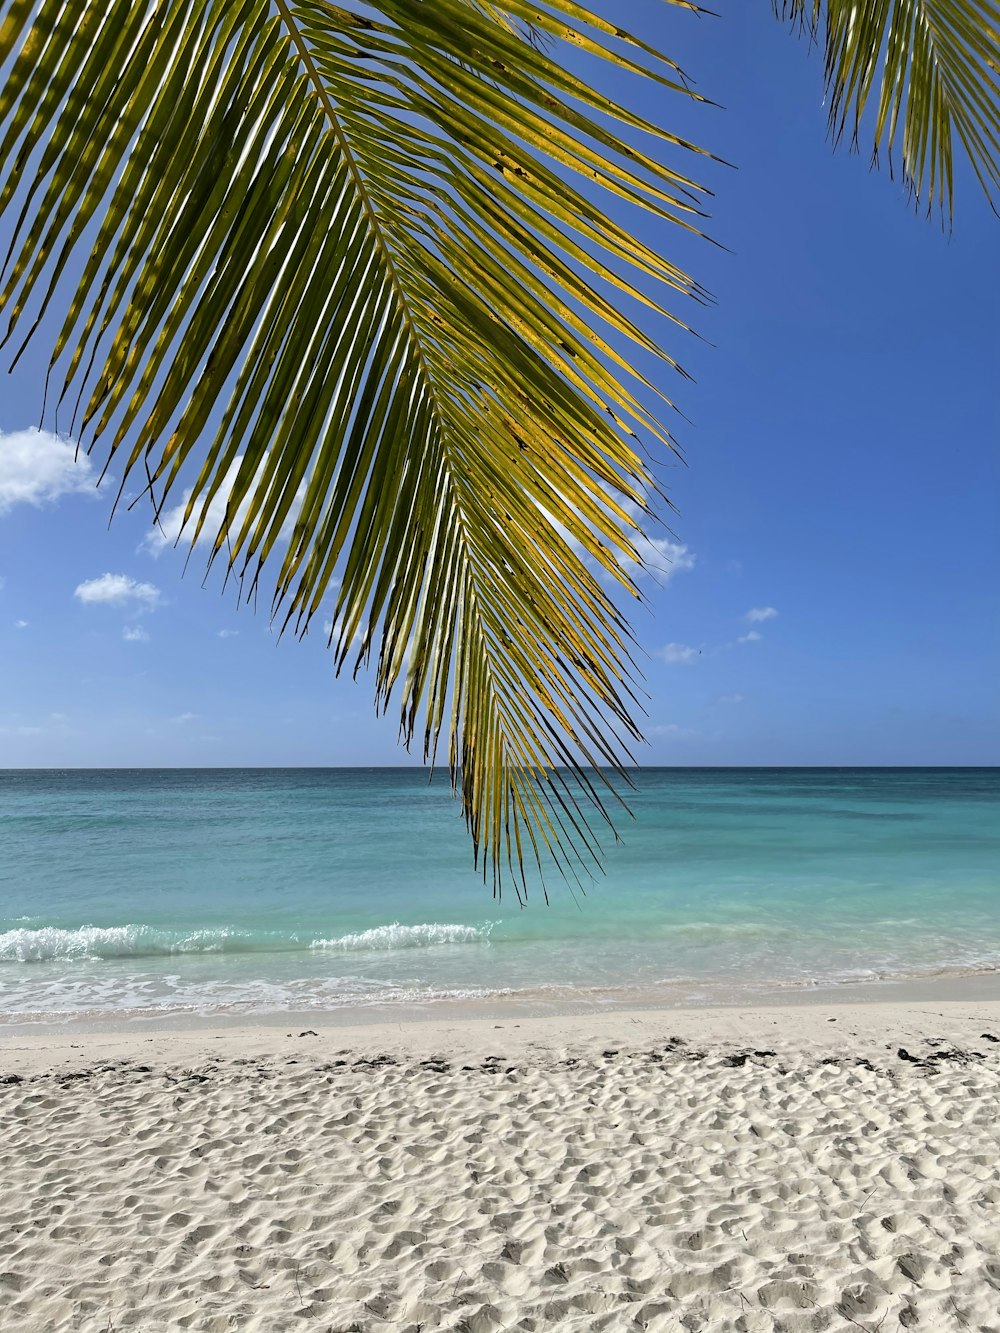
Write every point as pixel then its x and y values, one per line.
pixel 833 597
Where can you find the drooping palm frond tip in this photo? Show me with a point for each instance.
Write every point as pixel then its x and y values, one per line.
pixel 350 269
pixel 928 71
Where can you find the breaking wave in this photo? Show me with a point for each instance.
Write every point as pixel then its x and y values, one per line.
pixel 48 943
pixel 396 936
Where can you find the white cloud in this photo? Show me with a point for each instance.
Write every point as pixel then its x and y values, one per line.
pixel 37 467
pixel 678 652
pixel 731 698
pixel 227 633
pixel 20 624
pixel 657 556
pixel 664 558
pixel 751 636
pixel 758 614
pixel 181 718
pixel 357 638
pixel 135 634
pixel 171 527
pixel 117 590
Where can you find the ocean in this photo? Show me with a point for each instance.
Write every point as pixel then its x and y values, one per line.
pixel 161 894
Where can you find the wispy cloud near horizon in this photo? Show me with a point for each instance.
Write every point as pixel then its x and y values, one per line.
pixel 668 730
pixel 675 653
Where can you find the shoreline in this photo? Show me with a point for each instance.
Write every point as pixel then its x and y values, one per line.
pixel 520 1006
pixel 820 1024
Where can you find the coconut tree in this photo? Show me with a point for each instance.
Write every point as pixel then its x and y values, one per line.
pixel 352 276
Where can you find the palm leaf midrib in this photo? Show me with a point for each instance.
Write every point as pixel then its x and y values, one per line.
pixel 322 93
pixel 470 572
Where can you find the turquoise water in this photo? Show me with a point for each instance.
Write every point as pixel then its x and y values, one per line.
pixel 158 892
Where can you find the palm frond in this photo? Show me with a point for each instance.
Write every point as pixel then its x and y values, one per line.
pixel 931 71
pixel 348 269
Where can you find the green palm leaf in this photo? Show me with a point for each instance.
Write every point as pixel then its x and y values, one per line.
pixel 930 69
pixel 348 269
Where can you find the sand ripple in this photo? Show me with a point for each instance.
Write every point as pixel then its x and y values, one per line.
pixel 672 1187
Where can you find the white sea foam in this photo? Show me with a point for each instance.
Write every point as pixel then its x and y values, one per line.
pixel 46 943
pixel 381 939
pixel 148 996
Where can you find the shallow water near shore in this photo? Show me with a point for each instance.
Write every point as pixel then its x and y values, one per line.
pixel 163 893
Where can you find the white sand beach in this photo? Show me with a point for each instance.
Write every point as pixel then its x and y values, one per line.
pixel 774 1168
